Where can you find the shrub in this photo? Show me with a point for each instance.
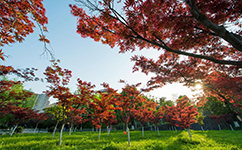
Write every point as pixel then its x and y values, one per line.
pixel 19 129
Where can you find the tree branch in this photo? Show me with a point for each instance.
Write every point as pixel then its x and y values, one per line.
pixel 219 30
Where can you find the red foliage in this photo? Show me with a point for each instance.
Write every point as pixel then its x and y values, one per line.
pixel 182 115
pixel 75 115
pixel 18 17
pixel 128 100
pixel 59 79
pixel 143 115
pixel 157 116
pixel 103 107
pixel 194 29
pixel 38 117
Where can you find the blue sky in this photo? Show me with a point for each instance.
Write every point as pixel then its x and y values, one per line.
pixel 90 61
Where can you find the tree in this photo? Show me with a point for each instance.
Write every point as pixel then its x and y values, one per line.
pixel 18 19
pixel 17 115
pixel 143 112
pixel 194 38
pixel 183 114
pixel 82 99
pixel 215 107
pixel 127 101
pixel 178 27
pixel 57 113
pixel 75 117
pixel 143 116
pixel 103 107
pixel 59 79
pixel 156 117
pixel 217 119
pixel 38 118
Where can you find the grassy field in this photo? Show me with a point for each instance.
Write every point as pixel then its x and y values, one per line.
pixel 168 140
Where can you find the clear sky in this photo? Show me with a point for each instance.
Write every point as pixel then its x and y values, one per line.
pixel 90 61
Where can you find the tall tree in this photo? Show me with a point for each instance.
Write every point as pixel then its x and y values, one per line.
pixel 59 79
pixel 38 118
pixel 191 28
pixel 194 38
pixel 127 101
pixel 103 107
pixel 156 117
pixel 74 117
pixel 57 113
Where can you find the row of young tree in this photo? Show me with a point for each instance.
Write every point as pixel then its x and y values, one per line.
pixel 100 107
pixel 110 107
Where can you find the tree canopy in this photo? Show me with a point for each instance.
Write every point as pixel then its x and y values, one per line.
pixel 197 40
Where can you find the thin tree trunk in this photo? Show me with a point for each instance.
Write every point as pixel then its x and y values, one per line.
pixel 231 127
pixel 142 131
pixel 189 132
pixel 175 128
pixel 14 128
pixel 127 129
pixel 92 129
pixel 53 133
pixel 219 127
pixel 36 127
pixel 62 128
pixel 99 133
pixel 158 131
pixel 202 127
pixel 70 130
pixel 109 129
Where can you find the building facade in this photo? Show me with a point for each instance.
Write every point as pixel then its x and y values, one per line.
pixel 41 101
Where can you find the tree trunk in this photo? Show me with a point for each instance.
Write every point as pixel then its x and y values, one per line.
pixel 92 129
pixel 201 127
pixel 175 128
pixel 135 123
pixel 53 133
pixel 158 131
pixel 231 127
pixel 70 129
pixel 62 128
pixel 14 128
pixel 99 133
pixel 189 132
pixel 219 127
pixel 36 127
pixel 127 129
pixel 142 131
pixel 109 129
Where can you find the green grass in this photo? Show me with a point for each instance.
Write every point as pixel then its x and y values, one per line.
pixel 168 140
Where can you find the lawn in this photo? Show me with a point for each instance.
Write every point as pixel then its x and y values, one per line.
pixel 168 140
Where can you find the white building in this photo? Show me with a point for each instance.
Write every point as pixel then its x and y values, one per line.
pixel 41 101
